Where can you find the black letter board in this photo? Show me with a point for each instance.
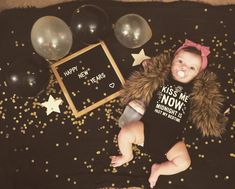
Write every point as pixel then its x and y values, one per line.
pixel 88 78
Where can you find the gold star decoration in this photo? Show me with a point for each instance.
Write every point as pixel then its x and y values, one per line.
pixel 138 58
pixel 52 105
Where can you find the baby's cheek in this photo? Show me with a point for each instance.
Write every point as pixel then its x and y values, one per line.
pixel 192 75
pixel 176 67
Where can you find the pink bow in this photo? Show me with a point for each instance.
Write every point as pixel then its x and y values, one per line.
pixel 205 51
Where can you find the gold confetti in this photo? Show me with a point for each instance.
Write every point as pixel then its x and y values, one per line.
pixel 114 170
pixel 227 111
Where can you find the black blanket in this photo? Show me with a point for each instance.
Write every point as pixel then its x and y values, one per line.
pixel 60 151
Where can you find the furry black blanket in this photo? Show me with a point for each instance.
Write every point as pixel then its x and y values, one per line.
pixel 60 151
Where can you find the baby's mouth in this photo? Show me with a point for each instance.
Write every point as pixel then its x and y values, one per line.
pixel 181 74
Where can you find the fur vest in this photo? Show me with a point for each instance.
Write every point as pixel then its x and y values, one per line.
pixel 206 100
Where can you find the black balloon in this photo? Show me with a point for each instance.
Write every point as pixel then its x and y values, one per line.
pixel 28 76
pixel 89 24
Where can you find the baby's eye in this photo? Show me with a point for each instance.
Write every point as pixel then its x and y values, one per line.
pixel 192 68
pixel 180 61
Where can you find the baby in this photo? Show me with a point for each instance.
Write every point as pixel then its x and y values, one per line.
pixel 160 128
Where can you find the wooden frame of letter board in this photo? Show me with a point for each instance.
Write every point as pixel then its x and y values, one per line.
pixel 76 112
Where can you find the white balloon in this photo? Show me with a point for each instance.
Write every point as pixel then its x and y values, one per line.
pixel 51 37
pixel 132 30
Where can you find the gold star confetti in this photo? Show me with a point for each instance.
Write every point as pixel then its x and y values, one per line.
pixel 232 155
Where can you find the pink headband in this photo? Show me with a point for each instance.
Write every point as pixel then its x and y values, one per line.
pixel 205 51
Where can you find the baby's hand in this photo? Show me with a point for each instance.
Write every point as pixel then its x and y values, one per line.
pixel 145 64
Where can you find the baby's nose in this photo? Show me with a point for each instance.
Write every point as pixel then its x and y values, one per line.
pixel 184 67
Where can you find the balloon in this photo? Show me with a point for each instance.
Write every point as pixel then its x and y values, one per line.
pixel 132 30
pixel 28 76
pixel 89 24
pixel 51 37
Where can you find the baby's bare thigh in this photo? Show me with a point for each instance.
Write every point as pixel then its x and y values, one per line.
pixel 179 149
pixel 137 129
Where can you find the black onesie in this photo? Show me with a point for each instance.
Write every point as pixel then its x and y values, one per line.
pixel 165 118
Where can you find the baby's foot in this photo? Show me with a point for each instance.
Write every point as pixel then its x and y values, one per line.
pixel 154 175
pixel 117 161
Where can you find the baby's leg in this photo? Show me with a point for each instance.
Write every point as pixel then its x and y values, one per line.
pixel 131 133
pixel 179 161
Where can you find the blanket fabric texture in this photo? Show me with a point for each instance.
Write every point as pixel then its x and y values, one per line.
pixel 60 151
pixel 8 4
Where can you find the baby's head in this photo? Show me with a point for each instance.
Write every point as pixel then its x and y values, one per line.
pixel 189 60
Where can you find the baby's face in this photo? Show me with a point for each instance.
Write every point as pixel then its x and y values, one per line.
pixel 185 66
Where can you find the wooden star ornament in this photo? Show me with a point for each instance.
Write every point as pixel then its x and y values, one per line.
pixel 52 105
pixel 138 58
